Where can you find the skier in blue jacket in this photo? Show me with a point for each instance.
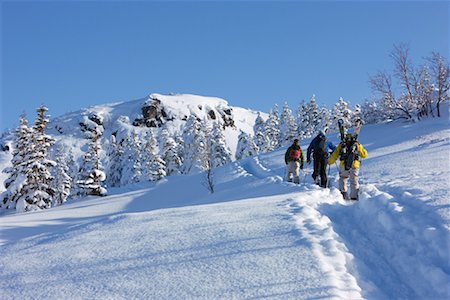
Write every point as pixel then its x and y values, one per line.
pixel 319 146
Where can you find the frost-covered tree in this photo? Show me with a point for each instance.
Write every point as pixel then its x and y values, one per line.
pixel 302 120
pixel 38 192
pixel 342 111
pixel 372 112
pixel 170 153
pixel 440 72
pixel 324 120
pixel 131 163
pixel 259 137
pixel 357 113
pixel 288 126
pixel 17 173
pixel 246 146
pixel 220 154
pixel 115 162
pixel 63 182
pixel 154 167
pixel 310 118
pixel 73 172
pixel 195 144
pixel 272 130
pixel 92 176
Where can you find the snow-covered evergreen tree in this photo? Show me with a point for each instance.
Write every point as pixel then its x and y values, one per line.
pixel 154 167
pixel 302 120
pixel 115 162
pixel 92 174
pixel 170 153
pixel 73 172
pixel 372 112
pixel 356 113
pixel 220 154
pixel 310 118
pixel 195 144
pixel 63 182
pixel 288 126
pixel 132 166
pixel 259 137
pixel 324 119
pixel 342 111
pixel 272 130
pixel 38 192
pixel 17 173
pixel 246 146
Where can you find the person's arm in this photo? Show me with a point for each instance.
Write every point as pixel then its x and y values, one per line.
pixel 286 155
pixel 302 159
pixel 361 151
pixel 334 156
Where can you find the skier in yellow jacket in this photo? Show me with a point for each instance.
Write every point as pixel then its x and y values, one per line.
pixel 349 153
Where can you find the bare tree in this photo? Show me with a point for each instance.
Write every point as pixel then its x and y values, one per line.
pixel 440 71
pixel 404 71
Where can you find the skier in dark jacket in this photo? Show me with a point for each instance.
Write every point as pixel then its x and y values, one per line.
pixel 294 160
pixel 319 146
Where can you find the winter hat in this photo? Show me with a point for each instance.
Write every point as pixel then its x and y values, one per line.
pixel 296 141
pixel 321 133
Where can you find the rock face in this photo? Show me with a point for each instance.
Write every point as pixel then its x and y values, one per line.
pixel 159 109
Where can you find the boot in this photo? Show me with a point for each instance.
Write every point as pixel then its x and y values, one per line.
pixel 345 195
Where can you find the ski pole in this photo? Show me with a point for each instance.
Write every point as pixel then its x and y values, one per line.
pixel 328 177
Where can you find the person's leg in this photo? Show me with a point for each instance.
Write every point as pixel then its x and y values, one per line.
pixel 354 184
pixel 343 178
pixel 296 172
pixel 323 172
pixel 316 168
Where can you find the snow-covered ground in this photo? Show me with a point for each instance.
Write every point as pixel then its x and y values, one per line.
pixel 255 237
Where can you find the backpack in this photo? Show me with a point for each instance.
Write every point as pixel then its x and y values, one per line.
pixel 294 154
pixel 321 146
pixel 349 155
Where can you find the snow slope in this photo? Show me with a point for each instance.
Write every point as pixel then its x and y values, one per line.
pixel 256 237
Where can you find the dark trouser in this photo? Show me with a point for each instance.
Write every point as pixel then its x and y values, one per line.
pixel 320 169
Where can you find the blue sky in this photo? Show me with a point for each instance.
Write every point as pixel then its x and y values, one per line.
pixel 71 55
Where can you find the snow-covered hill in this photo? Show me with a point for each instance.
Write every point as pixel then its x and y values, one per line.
pixel 255 237
pixel 155 111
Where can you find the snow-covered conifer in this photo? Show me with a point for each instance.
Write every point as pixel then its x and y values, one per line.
pixel 246 146
pixel 92 174
pixel 220 154
pixel 310 118
pixel 154 167
pixel 115 162
pixel 194 146
pixel 324 120
pixel 17 175
pixel 302 120
pixel 342 111
pixel 259 137
pixel 170 153
pixel 272 129
pixel 288 126
pixel 38 192
pixel 132 166
pixel 63 182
